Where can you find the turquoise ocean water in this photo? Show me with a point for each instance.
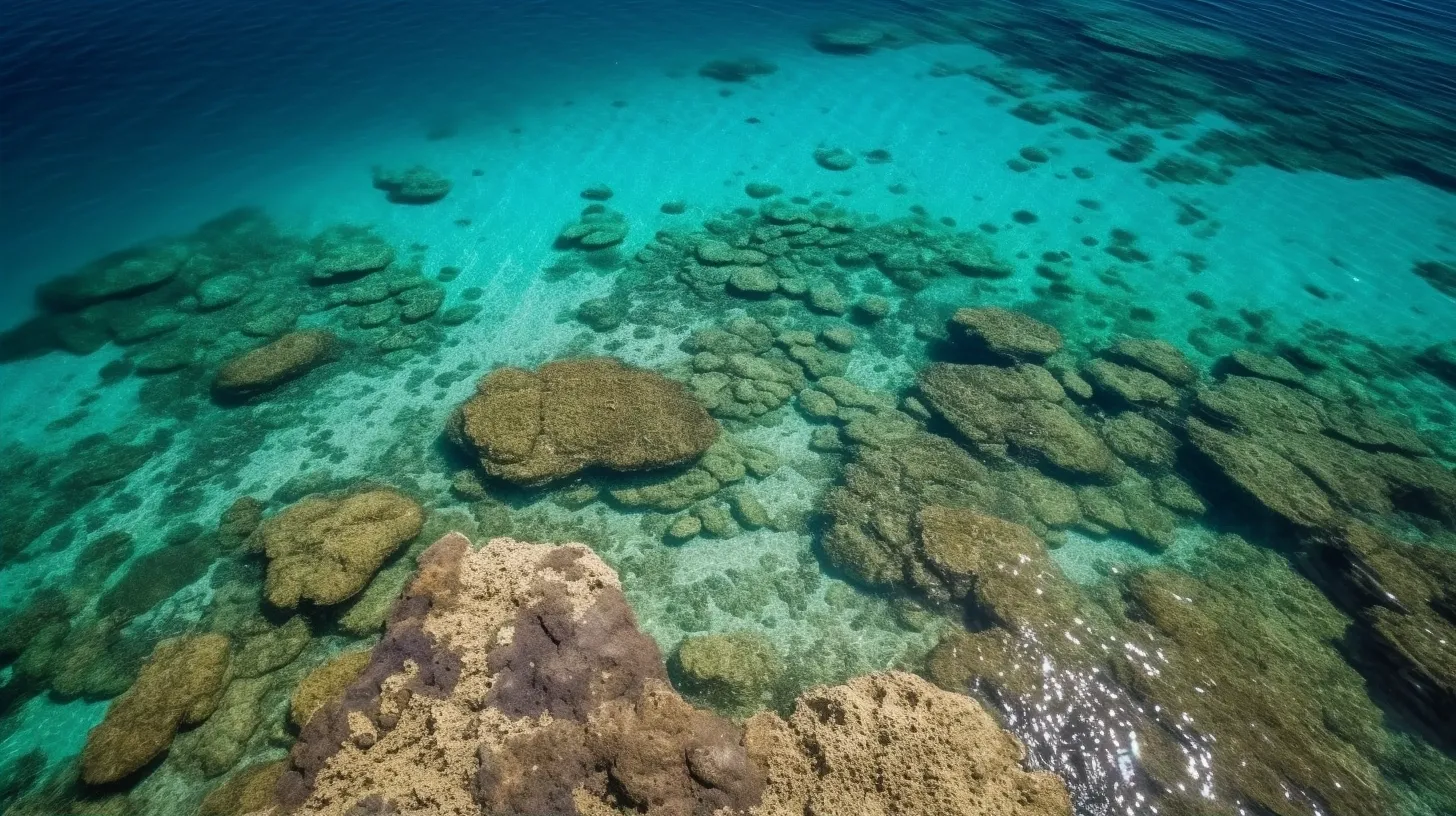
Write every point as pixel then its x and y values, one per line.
pixel 1096 360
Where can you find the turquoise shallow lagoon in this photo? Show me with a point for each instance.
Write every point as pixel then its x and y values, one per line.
pixel 974 408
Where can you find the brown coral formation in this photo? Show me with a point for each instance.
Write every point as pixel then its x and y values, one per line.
pixel 179 685
pixel 513 680
pixel 533 427
pixel 325 548
pixel 269 366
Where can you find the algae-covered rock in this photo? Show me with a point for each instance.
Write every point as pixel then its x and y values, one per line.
pixel 684 527
pixel 250 790
pixel 533 427
pixel 1141 442
pixel 1270 479
pixel 118 275
pixel 420 302
pixel 413 185
pixel 860 38
pixel 825 297
pixel 222 291
pixel 731 671
pixel 1401 593
pixel 325 683
pixel 219 744
pixel 752 281
pixel 872 529
pixel 1130 386
pixel 603 314
pixel 834 158
pixel 1440 360
pixel 1250 363
pixel 1017 406
pixel 1257 405
pixel 1008 334
pixel 324 549
pixel 597 229
pixel 1156 356
pixel 346 252
pixel 872 309
pixel 736 70
pixel 179 685
pixel 267 367
pixel 959 544
pixel 271 649
pixel 718 253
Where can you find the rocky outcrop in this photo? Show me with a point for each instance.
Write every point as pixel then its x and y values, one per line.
pixel 499 663
pixel 513 680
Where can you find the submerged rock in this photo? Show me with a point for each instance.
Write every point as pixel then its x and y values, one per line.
pixel 325 683
pixel 345 252
pixel 324 549
pixel 179 685
pixel 1008 334
pixel 733 671
pixel 834 158
pixel 1018 406
pixel 849 39
pixel 414 185
pixel 893 743
pixel 533 427
pixel 1157 356
pixel 597 229
pixel 118 275
pixel 267 367
pixel 1267 477
pixel 737 70
pixel 223 291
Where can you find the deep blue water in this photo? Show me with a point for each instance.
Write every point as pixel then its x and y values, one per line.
pixel 103 103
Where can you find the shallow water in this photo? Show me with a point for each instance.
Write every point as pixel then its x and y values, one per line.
pixel 1207 575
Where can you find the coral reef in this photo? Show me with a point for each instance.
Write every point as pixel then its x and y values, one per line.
pixel 569 415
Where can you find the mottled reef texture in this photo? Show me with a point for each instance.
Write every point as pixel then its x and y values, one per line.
pixel 513 680
pixel 532 427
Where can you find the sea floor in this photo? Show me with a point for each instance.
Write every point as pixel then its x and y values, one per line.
pixel 1090 243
